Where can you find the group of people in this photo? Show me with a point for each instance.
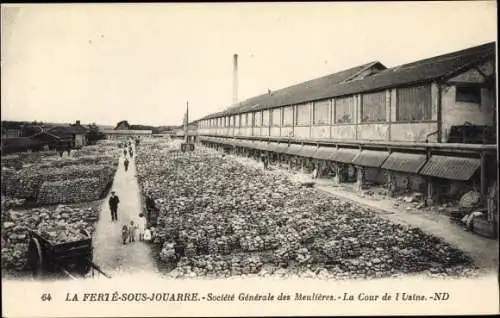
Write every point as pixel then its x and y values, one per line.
pixel 126 162
pixel 132 230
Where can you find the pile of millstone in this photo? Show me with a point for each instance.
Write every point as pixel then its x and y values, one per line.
pixel 71 191
pixel 58 225
pixel 217 266
pixel 8 203
pixel 217 207
pixel 27 182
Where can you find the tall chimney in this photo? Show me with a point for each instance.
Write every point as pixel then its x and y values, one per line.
pixel 235 79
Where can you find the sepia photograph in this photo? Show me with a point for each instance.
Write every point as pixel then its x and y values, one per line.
pixel 249 159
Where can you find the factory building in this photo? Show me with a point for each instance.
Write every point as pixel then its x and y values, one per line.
pixel 427 126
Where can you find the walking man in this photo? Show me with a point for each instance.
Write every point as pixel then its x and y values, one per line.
pixel 125 163
pixel 113 206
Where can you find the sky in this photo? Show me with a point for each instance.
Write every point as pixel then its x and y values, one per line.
pixel 143 63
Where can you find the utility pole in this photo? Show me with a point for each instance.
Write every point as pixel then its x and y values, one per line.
pixel 186 127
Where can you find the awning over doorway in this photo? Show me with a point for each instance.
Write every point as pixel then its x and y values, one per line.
pixel 307 151
pixel 324 153
pixel 344 155
pixel 293 149
pixel 405 162
pixel 278 147
pixel 454 168
pixel 371 158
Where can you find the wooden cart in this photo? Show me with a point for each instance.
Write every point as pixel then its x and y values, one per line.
pixel 69 258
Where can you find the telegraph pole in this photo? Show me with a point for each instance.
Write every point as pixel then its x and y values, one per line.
pixel 186 128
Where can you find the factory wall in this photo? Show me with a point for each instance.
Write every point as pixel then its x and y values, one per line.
pixel 475 112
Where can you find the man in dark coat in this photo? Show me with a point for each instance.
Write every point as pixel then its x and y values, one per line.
pixel 150 203
pixel 113 206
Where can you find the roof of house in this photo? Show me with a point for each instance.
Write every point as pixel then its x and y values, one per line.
pixel 49 136
pixel 78 129
pixel 59 132
pixel 345 82
pixel 67 131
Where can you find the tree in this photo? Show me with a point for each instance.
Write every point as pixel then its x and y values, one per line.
pixel 94 134
pixel 122 125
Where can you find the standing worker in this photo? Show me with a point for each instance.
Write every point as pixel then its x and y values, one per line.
pixel 113 206
pixel 125 152
pixel 125 163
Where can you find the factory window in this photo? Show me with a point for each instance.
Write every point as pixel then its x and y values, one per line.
pixel 257 119
pixel 244 120
pixel 373 107
pixel 238 120
pixel 276 117
pixel 468 94
pixel 414 103
pixel 303 116
pixel 265 118
pixel 321 111
pixel 344 110
pixel 288 116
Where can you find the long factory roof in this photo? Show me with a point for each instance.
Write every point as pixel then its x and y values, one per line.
pixel 353 81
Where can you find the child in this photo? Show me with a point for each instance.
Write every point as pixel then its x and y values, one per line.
pixel 131 234
pixel 124 234
pixel 142 226
pixel 147 235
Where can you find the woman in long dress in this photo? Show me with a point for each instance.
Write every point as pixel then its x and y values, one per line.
pixel 142 226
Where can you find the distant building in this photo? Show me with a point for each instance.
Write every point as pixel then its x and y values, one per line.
pixel 122 134
pixel 76 132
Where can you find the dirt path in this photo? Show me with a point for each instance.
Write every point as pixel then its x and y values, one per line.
pixel 484 251
pixel 109 252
